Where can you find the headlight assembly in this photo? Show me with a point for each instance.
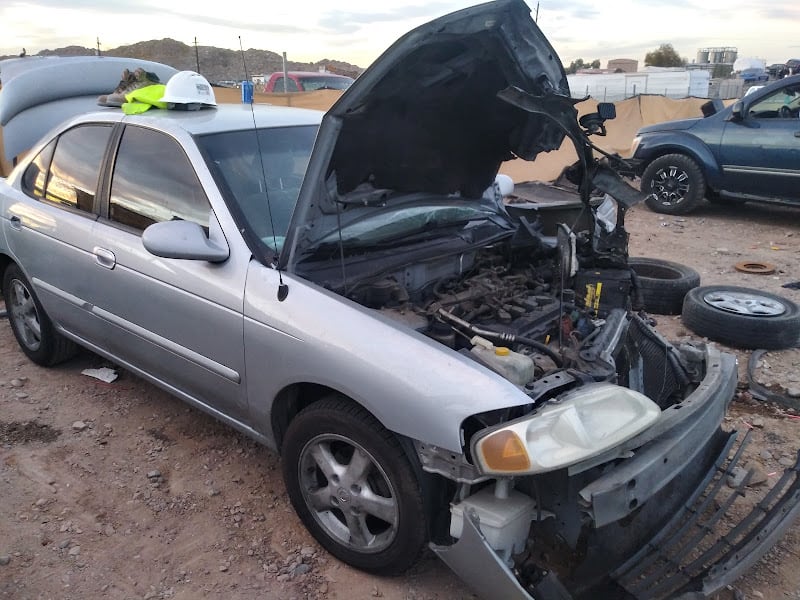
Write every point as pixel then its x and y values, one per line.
pixel 582 424
pixel 635 144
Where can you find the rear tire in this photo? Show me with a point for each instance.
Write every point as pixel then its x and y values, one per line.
pixel 31 326
pixel 663 283
pixel 674 184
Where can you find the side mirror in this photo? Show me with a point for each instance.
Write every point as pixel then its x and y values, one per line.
pixel 736 111
pixel 607 110
pixel 593 123
pixel 182 239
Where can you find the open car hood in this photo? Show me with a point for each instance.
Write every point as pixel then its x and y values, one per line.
pixel 437 113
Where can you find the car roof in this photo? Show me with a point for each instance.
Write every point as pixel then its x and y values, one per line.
pixel 225 117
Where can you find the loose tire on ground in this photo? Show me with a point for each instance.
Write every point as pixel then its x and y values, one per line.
pixel 674 184
pixel 663 283
pixel 353 487
pixel 742 317
pixel 31 326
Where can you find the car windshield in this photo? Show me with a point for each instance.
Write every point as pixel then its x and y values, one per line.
pixel 325 83
pixel 405 225
pixel 261 175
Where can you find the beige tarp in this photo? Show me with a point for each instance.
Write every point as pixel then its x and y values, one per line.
pixel 631 114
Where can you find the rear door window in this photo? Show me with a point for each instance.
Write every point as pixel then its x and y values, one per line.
pixel 70 178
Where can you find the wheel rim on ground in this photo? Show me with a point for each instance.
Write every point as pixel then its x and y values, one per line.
pixel 670 185
pixel 348 493
pixel 743 303
pixel 24 314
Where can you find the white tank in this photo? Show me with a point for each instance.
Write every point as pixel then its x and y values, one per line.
pixel 517 368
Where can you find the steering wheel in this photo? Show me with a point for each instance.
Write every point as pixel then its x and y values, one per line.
pixel 784 112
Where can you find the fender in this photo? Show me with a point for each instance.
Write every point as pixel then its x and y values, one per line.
pixel 653 145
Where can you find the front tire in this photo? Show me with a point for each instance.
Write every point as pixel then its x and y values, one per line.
pixel 353 487
pixel 674 184
pixel 32 327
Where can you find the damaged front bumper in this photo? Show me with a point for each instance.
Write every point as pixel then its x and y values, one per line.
pixel 693 539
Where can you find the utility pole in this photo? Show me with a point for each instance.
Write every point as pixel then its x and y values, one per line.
pixel 97 52
pixel 196 54
pixel 285 74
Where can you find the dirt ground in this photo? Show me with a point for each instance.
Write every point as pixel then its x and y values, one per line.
pixel 117 490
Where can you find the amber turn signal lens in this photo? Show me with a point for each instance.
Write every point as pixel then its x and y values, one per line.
pixel 504 451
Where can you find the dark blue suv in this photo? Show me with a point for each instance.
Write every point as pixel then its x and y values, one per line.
pixel 749 151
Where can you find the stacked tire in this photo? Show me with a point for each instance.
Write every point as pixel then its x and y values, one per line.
pixel 663 284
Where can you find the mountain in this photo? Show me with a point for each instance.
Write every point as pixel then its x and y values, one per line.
pixel 216 64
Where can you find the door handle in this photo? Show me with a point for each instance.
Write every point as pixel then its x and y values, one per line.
pixel 15 222
pixel 105 258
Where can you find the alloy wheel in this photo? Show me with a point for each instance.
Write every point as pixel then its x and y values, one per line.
pixel 348 493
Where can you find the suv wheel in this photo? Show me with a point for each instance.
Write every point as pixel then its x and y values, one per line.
pixel 674 184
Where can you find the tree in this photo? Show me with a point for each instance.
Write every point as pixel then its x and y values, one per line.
pixel 664 56
pixel 578 64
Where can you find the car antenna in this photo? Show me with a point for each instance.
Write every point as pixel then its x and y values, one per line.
pixel 283 289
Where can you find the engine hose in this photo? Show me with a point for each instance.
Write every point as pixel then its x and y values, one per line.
pixel 541 348
pixel 501 336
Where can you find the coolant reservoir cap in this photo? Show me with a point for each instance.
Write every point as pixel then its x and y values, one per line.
pixel 501 351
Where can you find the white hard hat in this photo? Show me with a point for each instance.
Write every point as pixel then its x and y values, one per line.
pixel 188 87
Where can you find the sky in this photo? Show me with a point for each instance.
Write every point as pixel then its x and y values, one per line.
pixel 357 31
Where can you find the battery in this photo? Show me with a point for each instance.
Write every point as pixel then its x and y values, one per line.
pixel 600 290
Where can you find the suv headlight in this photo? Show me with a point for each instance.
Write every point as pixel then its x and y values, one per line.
pixel 635 145
pixel 581 424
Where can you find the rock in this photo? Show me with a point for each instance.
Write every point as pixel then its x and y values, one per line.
pixel 223 568
pixel 758 422
pixel 793 392
pixel 757 478
pixel 75 551
pixel 301 569
pixel 736 477
pixel 64 544
pixel 766 455
pixel 4 560
pixel 786 461
pixel 17 382
pixel 79 425
pixel 41 502
pixel 306 551
pixel 154 474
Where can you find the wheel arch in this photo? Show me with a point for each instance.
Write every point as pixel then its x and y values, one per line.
pixel 689 146
pixel 5 261
pixel 295 397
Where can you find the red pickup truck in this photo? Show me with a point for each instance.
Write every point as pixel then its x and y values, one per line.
pixel 306 81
